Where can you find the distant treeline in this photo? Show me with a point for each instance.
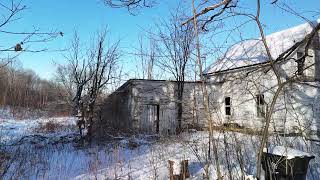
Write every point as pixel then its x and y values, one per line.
pixel 25 89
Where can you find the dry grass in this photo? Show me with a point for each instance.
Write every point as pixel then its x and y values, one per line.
pixel 3 158
pixel 251 131
pixel 52 127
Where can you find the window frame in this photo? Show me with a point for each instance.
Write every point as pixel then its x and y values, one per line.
pixel 300 63
pixel 261 105
pixel 227 106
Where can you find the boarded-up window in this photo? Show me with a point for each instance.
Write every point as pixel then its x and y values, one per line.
pixel 261 105
pixel 227 105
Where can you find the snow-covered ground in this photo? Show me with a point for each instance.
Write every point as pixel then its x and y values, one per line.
pixel 234 149
pixel 131 157
pixel 12 129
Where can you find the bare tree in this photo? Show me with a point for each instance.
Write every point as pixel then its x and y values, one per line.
pixel 205 101
pixel 175 47
pixel 272 63
pixel 147 58
pixel 10 13
pixel 74 77
pixel 86 76
pixel 102 69
pixel 130 4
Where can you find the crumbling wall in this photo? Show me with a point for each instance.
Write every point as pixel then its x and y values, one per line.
pixel 194 115
pixel 115 111
pixel 128 107
pixel 164 94
pixel 160 93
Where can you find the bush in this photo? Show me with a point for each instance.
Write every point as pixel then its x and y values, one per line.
pixel 49 127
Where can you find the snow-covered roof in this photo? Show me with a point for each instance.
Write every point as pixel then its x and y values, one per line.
pixel 289 152
pixel 249 52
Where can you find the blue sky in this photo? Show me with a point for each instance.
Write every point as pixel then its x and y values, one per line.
pixel 85 16
pixel 88 16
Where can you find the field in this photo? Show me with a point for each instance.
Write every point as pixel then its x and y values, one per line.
pixel 49 148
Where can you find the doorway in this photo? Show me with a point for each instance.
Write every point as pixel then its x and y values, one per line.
pixel 150 118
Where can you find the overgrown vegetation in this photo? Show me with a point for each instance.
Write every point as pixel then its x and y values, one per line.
pixel 24 88
pixel 179 48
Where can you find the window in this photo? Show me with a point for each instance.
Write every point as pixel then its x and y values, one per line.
pixel 227 105
pixel 300 62
pixel 261 105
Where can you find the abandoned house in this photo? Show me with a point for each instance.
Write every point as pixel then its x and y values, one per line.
pixel 150 106
pixel 241 86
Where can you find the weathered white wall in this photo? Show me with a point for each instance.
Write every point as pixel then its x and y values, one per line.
pixel 163 93
pixel 154 92
pixel 297 107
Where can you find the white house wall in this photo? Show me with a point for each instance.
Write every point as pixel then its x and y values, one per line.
pixel 297 107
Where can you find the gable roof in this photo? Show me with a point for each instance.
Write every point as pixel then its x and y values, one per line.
pixel 250 52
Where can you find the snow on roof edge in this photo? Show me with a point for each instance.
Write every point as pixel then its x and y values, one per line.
pixel 252 51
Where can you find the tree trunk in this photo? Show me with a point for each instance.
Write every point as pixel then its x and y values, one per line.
pixel 180 105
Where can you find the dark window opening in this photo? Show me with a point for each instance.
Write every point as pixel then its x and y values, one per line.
pixel 228 101
pixel 158 119
pixel 261 105
pixel 227 104
pixel 300 61
pixel 260 99
pixel 228 111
